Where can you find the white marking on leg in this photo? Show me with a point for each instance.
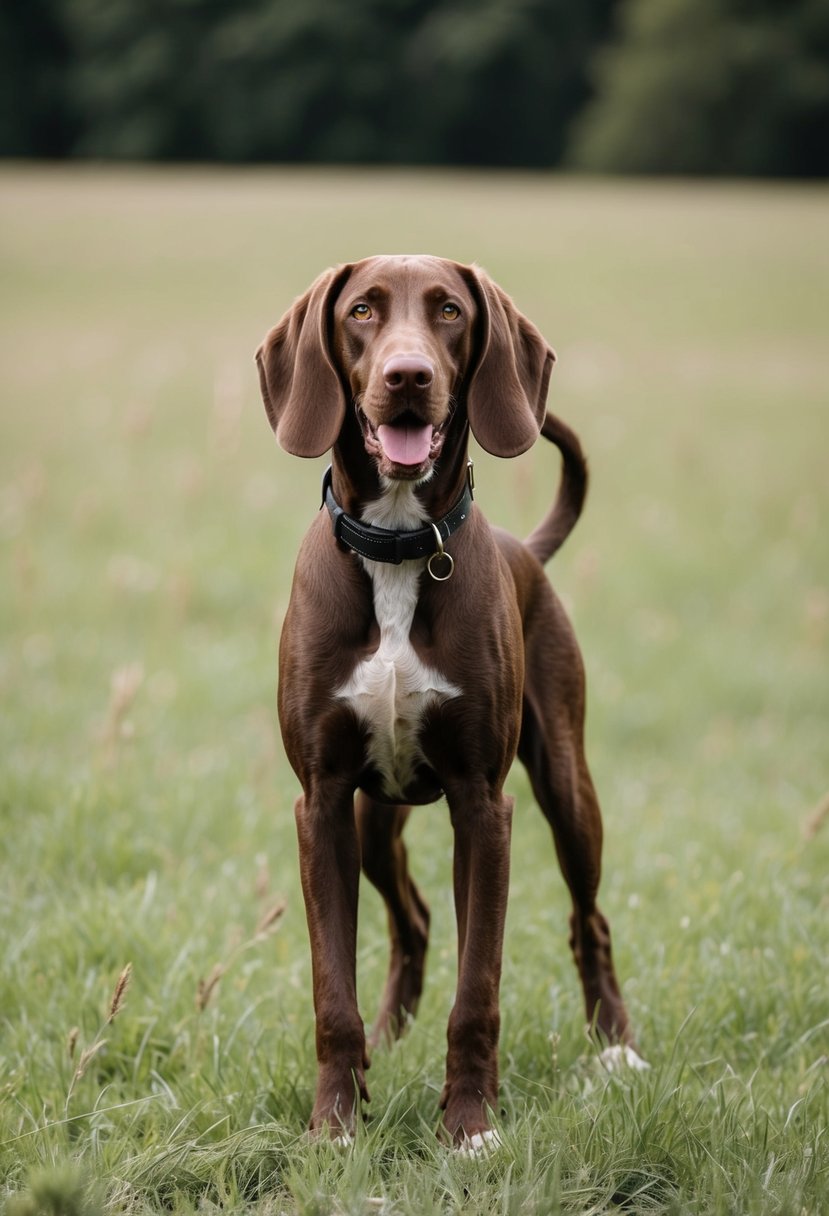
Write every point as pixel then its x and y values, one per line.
pixel 621 1056
pixel 479 1144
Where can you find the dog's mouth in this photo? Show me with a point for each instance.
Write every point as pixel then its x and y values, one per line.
pixel 404 449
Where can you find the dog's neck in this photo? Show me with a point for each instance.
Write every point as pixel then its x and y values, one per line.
pixel 397 507
pixel 358 487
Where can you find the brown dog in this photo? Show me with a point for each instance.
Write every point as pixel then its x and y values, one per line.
pixel 422 650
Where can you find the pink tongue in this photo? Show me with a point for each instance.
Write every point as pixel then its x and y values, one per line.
pixel 405 444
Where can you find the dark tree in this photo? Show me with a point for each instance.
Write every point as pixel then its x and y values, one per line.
pixel 712 86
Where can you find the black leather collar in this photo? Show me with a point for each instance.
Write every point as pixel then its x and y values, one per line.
pixel 386 545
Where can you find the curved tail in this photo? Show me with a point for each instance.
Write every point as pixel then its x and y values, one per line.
pixel 559 522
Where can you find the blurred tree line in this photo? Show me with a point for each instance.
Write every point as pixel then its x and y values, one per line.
pixel 723 86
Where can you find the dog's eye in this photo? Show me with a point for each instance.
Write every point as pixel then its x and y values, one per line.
pixel 450 312
pixel 361 312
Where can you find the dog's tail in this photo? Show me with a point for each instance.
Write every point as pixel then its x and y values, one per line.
pixel 557 525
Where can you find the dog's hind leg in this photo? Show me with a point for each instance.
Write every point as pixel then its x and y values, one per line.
pixel 551 747
pixel 385 864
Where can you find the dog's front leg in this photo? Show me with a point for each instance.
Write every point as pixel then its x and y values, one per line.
pixel 330 867
pixel 482 826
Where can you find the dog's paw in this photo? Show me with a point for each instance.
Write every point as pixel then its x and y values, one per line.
pixel 621 1056
pixel 479 1144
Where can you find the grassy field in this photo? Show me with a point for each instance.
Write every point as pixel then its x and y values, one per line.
pixel 148 526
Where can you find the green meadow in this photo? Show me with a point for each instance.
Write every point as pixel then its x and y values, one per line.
pixel 148 527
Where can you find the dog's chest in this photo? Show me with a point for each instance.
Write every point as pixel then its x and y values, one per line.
pixel 391 690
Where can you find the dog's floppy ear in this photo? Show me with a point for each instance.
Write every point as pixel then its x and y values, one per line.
pixel 508 389
pixel 301 387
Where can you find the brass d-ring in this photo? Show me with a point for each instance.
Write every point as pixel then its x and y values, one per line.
pixel 440 555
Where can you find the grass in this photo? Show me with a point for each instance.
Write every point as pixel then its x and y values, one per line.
pixel 148 528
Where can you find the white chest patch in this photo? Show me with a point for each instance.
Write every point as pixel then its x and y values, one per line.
pixel 391 691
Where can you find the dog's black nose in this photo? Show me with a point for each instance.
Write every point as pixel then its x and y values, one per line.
pixel 408 375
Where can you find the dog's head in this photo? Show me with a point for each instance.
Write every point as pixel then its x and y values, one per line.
pixel 412 342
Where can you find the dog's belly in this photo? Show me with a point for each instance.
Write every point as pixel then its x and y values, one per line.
pixel 390 694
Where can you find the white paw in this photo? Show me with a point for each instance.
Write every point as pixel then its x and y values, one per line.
pixel 620 1056
pixel 344 1140
pixel 479 1144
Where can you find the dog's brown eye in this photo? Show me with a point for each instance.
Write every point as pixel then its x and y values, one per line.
pixel 450 312
pixel 361 312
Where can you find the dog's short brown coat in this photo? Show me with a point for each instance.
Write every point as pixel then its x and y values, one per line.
pixel 469 672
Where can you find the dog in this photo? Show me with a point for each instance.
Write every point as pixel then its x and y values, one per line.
pixel 422 650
